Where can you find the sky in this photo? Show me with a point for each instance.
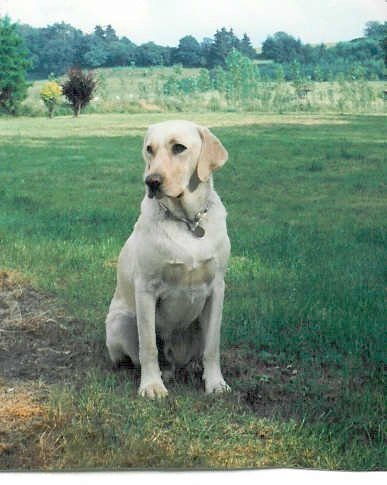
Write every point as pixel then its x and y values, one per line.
pixel 167 21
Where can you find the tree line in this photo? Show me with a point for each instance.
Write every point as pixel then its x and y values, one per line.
pixel 56 48
pixel 364 57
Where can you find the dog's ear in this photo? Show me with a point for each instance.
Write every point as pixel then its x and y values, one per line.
pixel 213 155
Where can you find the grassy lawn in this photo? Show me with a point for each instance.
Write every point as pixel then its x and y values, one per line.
pixel 303 320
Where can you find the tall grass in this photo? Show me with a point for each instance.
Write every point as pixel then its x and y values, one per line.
pixel 238 87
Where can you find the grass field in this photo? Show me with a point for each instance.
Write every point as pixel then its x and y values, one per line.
pixel 303 342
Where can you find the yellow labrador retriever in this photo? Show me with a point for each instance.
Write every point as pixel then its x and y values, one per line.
pixel 170 278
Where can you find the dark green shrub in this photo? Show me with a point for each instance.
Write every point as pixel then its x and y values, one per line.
pixel 79 89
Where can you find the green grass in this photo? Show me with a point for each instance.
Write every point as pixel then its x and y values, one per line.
pixel 304 300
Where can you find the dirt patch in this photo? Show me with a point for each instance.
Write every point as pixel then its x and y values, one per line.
pixel 23 421
pixel 37 339
pixel 38 348
pixel 274 390
pixel 259 382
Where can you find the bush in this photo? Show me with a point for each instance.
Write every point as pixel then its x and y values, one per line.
pixel 79 89
pixel 50 95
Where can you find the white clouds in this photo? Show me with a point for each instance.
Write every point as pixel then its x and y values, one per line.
pixel 166 21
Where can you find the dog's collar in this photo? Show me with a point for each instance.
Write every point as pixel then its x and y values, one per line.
pixel 193 225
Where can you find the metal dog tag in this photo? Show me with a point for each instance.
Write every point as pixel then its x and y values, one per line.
pixel 199 231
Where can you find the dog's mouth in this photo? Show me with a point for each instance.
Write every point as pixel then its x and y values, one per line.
pixel 158 193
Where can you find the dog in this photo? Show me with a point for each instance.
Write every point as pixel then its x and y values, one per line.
pixel 170 272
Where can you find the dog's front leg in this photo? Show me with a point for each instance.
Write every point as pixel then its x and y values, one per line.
pixel 151 384
pixel 211 320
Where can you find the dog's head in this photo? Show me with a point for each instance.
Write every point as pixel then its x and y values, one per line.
pixel 178 156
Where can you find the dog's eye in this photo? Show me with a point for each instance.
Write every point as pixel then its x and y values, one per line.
pixel 149 149
pixel 178 148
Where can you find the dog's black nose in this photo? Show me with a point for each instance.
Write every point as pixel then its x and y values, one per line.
pixel 153 181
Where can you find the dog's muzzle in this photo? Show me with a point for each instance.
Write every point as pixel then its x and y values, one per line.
pixel 153 182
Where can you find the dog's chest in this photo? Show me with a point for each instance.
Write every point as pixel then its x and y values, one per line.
pixel 184 290
pixel 188 275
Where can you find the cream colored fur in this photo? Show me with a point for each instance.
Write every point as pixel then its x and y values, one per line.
pixel 168 280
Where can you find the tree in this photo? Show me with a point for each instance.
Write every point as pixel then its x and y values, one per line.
pixel 94 52
pixel 106 49
pixel 50 95
pixel 121 52
pixel 13 67
pixel 206 47
pixel 79 88
pixel 375 29
pixel 246 47
pixel 242 76
pixel 384 46
pixel 282 47
pixel 59 47
pixel 110 34
pixel 151 54
pixel 32 40
pixel 99 32
pixel 188 52
pixel 224 42
pixel 378 31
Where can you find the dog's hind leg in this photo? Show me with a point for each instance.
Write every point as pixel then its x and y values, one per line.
pixel 122 336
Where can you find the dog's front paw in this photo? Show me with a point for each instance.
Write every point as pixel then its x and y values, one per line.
pixel 217 387
pixel 214 382
pixel 152 390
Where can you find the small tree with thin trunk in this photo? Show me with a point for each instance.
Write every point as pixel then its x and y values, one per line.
pixel 79 88
pixel 50 95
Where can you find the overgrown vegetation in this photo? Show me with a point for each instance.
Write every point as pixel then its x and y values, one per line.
pixel 242 86
pixel 239 86
pixel 303 343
